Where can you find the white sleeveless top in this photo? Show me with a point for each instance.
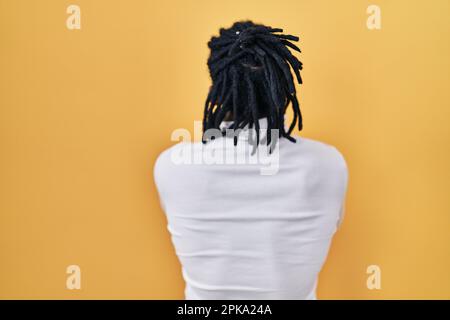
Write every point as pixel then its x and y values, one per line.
pixel 244 233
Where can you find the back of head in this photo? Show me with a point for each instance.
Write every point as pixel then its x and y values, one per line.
pixel 250 67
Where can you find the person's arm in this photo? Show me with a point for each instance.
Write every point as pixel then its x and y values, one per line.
pixel 341 215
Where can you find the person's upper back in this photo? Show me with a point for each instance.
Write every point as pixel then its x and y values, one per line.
pixel 241 234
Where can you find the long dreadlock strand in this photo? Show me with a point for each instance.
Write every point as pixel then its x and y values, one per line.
pixel 253 105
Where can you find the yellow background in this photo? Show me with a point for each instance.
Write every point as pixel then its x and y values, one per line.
pixel 84 114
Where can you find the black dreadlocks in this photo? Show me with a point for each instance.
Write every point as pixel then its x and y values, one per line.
pixel 251 78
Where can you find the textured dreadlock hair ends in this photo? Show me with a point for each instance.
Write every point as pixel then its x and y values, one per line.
pixel 250 67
